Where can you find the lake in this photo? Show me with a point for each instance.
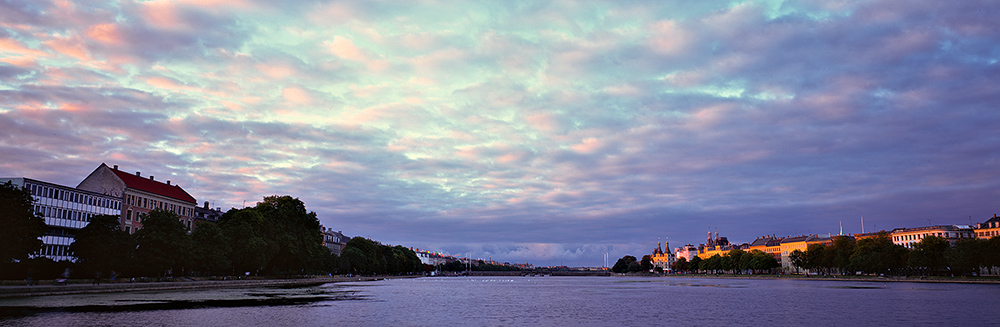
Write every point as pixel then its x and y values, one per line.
pixel 520 301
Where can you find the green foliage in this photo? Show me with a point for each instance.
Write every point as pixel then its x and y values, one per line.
pixel 681 264
pixel 211 250
pixel 646 264
pixel 622 266
pixel 930 253
pixel 162 245
pixel 246 232
pixel 878 255
pixel 21 226
pixel 294 233
pixel 695 264
pixel 102 246
pixel 365 257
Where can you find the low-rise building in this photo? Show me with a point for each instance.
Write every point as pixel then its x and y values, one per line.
pixel 206 214
pixel 988 229
pixel 66 210
pixel 334 240
pixel 908 237
pixel 800 243
pixel 769 244
pixel 687 252
pixel 140 195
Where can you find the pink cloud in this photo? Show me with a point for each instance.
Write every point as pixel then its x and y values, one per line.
pixel 71 47
pixel 107 33
pixel 167 83
pixel 588 145
pixel 543 121
pixel 13 46
pixel 161 14
pixel 297 95
pixel 668 38
pixel 346 49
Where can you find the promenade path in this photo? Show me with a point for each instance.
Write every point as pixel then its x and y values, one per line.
pixel 7 291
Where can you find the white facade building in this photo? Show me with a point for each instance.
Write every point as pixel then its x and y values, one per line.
pixel 66 211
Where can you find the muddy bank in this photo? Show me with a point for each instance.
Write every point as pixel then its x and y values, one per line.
pixel 88 288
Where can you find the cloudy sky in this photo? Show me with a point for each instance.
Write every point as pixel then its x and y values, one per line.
pixel 525 131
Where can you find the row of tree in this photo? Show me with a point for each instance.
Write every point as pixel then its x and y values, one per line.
pixel 932 255
pixel 735 261
pixel 276 237
pixel 875 255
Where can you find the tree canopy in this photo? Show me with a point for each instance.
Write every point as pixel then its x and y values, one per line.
pixel 21 226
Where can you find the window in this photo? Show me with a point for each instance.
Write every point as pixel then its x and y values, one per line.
pixel 128 215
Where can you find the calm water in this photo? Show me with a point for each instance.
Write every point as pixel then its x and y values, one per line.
pixel 519 301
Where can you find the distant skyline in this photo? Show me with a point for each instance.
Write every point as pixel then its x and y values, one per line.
pixel 526 131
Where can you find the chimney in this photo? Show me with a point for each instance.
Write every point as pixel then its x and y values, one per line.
pixel 138 174
pixel 116 167
pixel 206 204
pixel 150 177
pixel 168 182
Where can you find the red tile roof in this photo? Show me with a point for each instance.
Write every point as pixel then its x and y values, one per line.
pixel 148 185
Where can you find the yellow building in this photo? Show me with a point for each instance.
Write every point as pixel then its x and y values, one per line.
pixel 801 243
pixel 767 244
pixel 662 259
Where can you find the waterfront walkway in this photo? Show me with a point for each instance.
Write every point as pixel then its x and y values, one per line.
pixel 7 291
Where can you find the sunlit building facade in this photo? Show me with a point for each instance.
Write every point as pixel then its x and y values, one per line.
pixel 66 210
pixel 800 243
pixel 662 259
pixel 989 228
pixel 140 195
pixel 909 237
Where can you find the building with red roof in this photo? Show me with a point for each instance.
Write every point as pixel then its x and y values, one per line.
pixel 140 195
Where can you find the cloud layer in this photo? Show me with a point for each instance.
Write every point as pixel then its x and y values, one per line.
pixel 546 132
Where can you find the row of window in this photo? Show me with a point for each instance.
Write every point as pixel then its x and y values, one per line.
pixel 989 233
pixel 56 212
pixel 914 237
pixel 151 204
pixel 54 250
pixel 54 193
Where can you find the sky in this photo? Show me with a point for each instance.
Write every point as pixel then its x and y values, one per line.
pixel 546 132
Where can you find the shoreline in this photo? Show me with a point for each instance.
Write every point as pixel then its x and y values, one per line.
pixel 89 288
pixel 933 279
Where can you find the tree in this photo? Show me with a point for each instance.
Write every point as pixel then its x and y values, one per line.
pixel 362 256
pixel 695 264
pixel 878 255
pixel 760 261
pixel 681 264
pixel 103 246
pixel 734 261
pixel 622 266
pixel 840 253
pixel 162 245
pixel 818 257
pixel 799 260
pixel 211 249
pixel 646 264
pixel 250 251
pixel 930 253
pixel 21 225
pixel 968 256
pixel 294 232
